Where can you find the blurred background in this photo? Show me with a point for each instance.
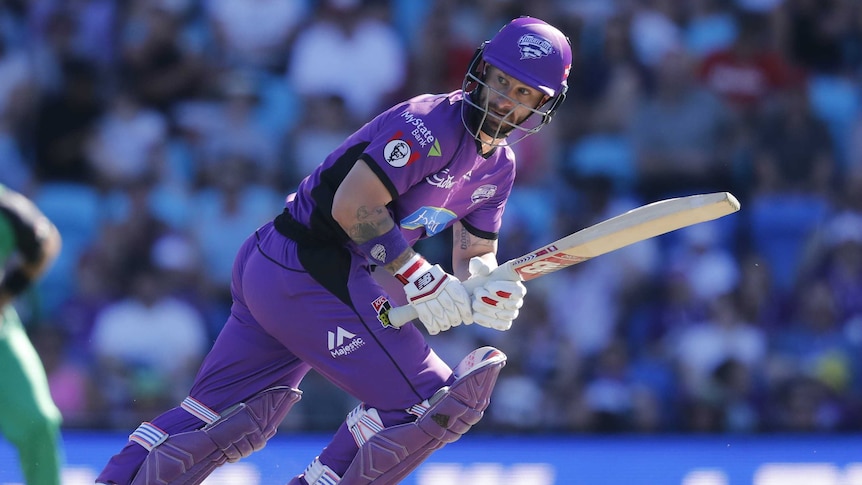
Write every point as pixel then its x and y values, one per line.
pixel 158 134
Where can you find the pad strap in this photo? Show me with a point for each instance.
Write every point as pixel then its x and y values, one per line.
pixel 187 458
pixel 393 453
pixel 319 474
pixel 148 435
pixel 199 410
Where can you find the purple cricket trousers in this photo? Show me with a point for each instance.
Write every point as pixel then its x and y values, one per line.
pixel 298 307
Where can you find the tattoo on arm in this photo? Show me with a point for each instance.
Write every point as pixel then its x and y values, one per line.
pixel 464 237
pixel 373 222
pixel 400 261
pixel 370 223
pixel 467 240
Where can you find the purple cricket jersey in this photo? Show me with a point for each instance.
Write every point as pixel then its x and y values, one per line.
pixel 429 164
pixel 304 297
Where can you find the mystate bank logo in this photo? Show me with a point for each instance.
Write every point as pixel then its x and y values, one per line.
pixel 341 342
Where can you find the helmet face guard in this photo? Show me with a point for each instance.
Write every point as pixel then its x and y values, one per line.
pixel 531 51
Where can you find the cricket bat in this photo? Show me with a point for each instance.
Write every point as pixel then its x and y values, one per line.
pixel 636 225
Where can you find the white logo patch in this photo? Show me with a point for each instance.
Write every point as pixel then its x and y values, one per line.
pixel 534 46
pixel 397 153
pixel 341 342
pixel 378 252
pixel 484 192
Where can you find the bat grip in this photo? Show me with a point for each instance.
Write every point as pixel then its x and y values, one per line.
pixel 399 316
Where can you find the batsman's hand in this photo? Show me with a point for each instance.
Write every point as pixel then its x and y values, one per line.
pixel 496 304
pixel 440 300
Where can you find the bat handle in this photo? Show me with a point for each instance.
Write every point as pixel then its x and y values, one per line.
pixel 399 316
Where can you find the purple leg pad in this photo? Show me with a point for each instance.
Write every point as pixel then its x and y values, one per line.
pixel 391 454
pixel 188 458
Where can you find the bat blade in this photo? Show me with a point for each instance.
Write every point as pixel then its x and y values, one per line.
pixel 636 225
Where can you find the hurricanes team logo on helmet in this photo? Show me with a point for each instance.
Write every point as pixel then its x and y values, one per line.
pixel 533 46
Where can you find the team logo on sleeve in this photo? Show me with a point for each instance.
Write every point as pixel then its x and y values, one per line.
pixel 398 152
pixel 378 252
pixel 483 193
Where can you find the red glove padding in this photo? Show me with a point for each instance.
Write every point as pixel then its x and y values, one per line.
pixel 497 303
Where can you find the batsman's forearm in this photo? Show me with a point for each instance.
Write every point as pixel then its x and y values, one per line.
pixel 399 261
pixel 369 224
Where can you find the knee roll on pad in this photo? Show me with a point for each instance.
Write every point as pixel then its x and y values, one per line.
pixel 392 453
pixel 188 458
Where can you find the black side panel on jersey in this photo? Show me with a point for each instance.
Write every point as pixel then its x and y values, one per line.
pixel 321 223
pixel 330 266
pixel 478 232
pixel 321 247
pixel 325 261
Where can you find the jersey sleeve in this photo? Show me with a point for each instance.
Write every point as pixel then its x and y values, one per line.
pixel 486 220
pixel 403 148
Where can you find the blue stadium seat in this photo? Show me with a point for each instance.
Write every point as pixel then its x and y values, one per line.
pixel 836 101
pixel 604 154
pixel 76 210
pixel 781 226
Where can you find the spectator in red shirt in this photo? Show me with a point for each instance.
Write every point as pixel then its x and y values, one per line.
pixel 749 72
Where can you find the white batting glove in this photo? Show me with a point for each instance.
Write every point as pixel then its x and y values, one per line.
pixel 496 304
pixel 440 300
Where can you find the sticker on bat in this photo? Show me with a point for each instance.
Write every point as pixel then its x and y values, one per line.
pixel 549 265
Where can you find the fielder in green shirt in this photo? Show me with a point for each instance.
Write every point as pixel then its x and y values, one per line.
pixel 29 419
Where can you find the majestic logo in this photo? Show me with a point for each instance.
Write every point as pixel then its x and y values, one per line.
pixel 434 219
pixel 533 46
pixel 483 193
pixel 342 342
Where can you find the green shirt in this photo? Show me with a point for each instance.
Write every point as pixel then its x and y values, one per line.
pixel 7 232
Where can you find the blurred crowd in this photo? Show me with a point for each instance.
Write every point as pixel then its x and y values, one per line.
pixel 158 134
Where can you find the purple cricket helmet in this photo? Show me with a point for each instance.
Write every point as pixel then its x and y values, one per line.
pixel 533 52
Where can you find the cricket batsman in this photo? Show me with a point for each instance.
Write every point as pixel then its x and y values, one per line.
pixel 306 293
